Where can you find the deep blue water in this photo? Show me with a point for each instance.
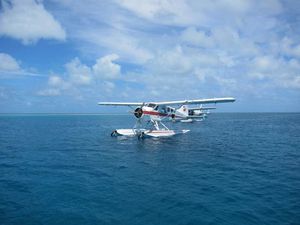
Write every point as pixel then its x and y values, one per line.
pixel 230 169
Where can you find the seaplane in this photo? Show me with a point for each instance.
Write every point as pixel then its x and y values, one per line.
pixel 192 114
pixel 150 116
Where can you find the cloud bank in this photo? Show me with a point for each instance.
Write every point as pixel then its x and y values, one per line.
pixel 211 40
pixel 80 75
pixel 163 49
pixel 29 21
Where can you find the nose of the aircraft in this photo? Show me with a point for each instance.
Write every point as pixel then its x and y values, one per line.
pixel 138 112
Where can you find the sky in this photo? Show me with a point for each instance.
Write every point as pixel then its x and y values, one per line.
pixel 64 56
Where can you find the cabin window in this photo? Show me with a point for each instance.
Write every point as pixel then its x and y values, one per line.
pixel 151 105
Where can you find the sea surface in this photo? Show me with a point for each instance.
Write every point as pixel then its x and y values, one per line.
pixel 233 168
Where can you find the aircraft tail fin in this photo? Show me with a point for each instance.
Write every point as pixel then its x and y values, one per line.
pixel 183 110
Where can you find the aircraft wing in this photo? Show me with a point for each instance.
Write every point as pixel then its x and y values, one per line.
pixel 202 108
pixel 198 101
pixel 122 103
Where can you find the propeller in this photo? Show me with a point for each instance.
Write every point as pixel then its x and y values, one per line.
pixel 138 112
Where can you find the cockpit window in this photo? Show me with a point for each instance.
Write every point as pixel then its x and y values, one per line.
pixel 151 105
pixel 170 109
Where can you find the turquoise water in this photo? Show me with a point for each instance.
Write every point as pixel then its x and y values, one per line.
pixel 230 169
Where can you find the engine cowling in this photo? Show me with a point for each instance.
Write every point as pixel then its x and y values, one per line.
pixel 138 112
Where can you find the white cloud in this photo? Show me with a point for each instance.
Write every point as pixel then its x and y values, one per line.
pixel 58 82
pixel 167 12
pixel 108 86
pixel 205 13
pixel 29 21
pixel 8 63
pixel 265 64
pixel 293 82
pixel 106 68
pixel 11 67
pixel 79 73
pixel 276 70
pixel 188 47
pixel 196 37
pixel 55 86
pixel 171 62
pixel 123 43
pixel 288 47
pixel 55 81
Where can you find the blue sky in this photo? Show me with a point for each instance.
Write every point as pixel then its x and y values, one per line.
pixel 65 56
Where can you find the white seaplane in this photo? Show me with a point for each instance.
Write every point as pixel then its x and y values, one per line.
pixel 156 112
pixel 200 111
pixel 192 114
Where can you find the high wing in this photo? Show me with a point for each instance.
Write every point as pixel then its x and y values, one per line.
pixel 122 103
pixel 198 101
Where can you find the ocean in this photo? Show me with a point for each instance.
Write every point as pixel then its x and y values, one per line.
pixel 233 168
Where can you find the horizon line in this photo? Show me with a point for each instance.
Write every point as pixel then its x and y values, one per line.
pixel 91 113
